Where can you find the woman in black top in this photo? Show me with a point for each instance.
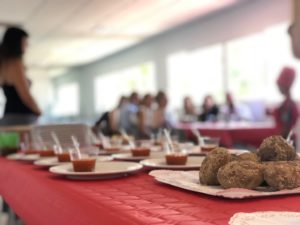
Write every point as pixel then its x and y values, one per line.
pixel 210 110
pixel 20 107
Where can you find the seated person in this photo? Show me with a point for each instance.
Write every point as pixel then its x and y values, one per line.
pixel 232 111
pixel 128 115
pixel 145 116
pixel 108 123
pixel 210 110
pixel 189 113
pixel 161 117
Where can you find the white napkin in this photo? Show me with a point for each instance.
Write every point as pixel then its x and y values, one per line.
pixel 268 217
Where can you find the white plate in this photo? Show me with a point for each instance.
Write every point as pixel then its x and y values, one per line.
pixel 265 217
pixel 156 148
pixel 47 162
pixel 186 145
pixel 31 158
pixel 126 149
pixel 122 149
pixel 194 162
pixel 24 157
pixel 129 157
pixel 195 151
pixel 189 180
pixel 103 170
pixel 238 151
pixel 15 156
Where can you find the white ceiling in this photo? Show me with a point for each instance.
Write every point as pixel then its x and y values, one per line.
pixel 72 32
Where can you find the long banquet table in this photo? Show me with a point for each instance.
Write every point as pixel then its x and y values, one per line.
pixel 41 198
pixel 232 133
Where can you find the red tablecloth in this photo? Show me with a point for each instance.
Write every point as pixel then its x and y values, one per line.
pixel 41 198
pixel 232 133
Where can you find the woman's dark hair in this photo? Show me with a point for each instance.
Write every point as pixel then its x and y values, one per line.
pixel 11 46
pixel 160 95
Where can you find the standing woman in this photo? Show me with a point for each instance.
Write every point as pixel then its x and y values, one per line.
pixel 286 114
pixel 20 107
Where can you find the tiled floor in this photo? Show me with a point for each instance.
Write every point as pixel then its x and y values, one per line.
pixel 3 216
pixel 4 219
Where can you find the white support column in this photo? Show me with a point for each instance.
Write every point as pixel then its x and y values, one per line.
pixel 225 68
pixel 161 73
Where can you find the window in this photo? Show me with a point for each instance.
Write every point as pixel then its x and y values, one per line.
pixel 67 103
pixel 110 87
pixel 253 64
pixel 278 54
pixel 246 67
pixel 195 74
pixel 255 61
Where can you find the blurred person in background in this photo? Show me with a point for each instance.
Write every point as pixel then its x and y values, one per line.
pixel 20 106
pixel 294 32
pixel 162 118
pixel 108 123
pixel 294 29
pixel 189 113
pixel 210 109
pixel 114 116
pixel 145 116
pixel 287 113
pixel 233 111
pixel 128 115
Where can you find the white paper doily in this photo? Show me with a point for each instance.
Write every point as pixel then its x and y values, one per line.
pixel 265 218
pixel 189 180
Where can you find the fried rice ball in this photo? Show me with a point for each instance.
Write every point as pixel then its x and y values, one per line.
pixel 211 164
pixel 233 157
pixel 297 158
pixel 248 156
pixel 241 174
pixel 282 175
pixel 276 148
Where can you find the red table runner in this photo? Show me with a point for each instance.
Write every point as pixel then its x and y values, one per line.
pixel 232 133
pixel 41 198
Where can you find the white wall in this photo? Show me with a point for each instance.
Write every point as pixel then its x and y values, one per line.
pixel 42 89
pixel 242 19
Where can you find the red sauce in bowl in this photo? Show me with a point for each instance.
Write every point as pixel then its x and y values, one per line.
pixel 98 145
pixel 84 165
pixel 176 159
pixel 47 153
pixel 140 152
pixel 112 149
pixel 63 157
pixel 31 152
